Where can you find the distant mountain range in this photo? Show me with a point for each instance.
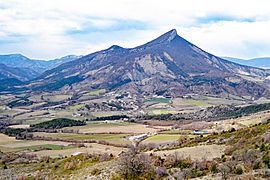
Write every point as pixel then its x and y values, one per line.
pixel 22 74
pixel 168 65
pixel 26 68
pixel 257 62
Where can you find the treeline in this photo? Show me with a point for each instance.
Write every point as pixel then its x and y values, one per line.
pixel 241 111
pixel 113 117
pixel 58 124
pixel 211 113
pixel 48 126
pixel 155 117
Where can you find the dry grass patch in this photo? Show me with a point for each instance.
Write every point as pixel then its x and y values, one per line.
pixel 21 126
pixel 127 128
pixel 111 138
pixel 208 152
pixel 91 148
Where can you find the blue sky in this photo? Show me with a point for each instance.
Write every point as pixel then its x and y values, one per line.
pixel 54 28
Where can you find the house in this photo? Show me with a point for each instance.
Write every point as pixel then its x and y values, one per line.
pixel 138 137
pixel 200 132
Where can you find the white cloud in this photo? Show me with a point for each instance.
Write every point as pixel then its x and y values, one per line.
pixel 52 28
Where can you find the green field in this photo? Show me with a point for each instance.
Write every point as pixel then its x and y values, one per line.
pixel 159 100
pixel 176 131
pixel 198 103
pixel 96 92
pixel 111 138
pixel 47 147
pixel 162 138
pixel 156 111
pixel 77 106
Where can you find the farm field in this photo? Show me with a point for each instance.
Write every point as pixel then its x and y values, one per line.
pixel 10 144
pixel 111 138
pixel 161 139
pixel 91 148
pixel 107 113
pixel 95 92
pixel 21 126
pixel 159 100
pixel 208 152
pixel 156 111
pixel 114 127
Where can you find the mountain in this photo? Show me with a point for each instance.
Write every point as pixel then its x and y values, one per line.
pixel 36 67
pixel 169 64
pixel 256 62
pixel 22 74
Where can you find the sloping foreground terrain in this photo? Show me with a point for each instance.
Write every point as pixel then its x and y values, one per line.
pixel 232 154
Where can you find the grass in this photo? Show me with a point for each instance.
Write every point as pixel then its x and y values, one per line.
pixel 77 106
pixel 159 100
pixel 112 138
pixel 176 131
pixel 56 98
pixel 196 103
pixel 113 127
pixel 107 113
pixel 156 111
pixel 96 92
pixel 47 147
pixel 162 138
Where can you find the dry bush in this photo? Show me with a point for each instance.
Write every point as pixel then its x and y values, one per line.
pixel 46 159
pixel 71 165
pixel 174 160
pixel 21 178
pixel 132 164
pixel 225 171
pixel 183 140
pixel 266 138
pixel 249 156
pixel 8 157
pixel 242 142
pixel 105 157
pixel 197 125
pixel 79 145
pixel 161 172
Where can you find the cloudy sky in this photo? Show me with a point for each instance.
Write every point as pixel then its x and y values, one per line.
pixel 53 28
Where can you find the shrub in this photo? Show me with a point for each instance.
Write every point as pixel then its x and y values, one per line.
pixel 46 159
pixel 214 168
pixel 266 159
pixel 257 165
pixel 182 164
pixel 224 170
pixel 133 164
pixel 263 147
pixel 95 172
pixel 161 172
pixel 239 170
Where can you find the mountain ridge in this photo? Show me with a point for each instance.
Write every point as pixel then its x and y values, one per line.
pixel 168 63
pixel 36 66
pixel 262 62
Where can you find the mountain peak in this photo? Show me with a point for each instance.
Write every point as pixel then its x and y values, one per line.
pixel 167 37
pixel 164 38
pixel 172 33
pixel 114 47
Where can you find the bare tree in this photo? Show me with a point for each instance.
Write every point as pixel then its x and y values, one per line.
pixel 225 171
pixel 132 163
